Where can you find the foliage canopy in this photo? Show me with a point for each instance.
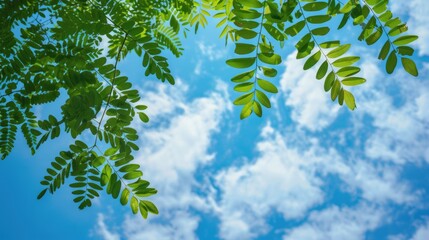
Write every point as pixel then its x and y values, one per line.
pixel 50 48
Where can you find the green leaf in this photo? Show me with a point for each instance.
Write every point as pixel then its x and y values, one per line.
pixel 263 99
pixel 124 196
pixel 110 151
pixel 405 50
pixel 252 3
pixel 384 50
pixel 350 100
pixel 329 81
pixel 246 34
pixel 242 77
pixel 105 175
pixel 77 185
pixel 267 86
pixel 133 175
pixel 270 58
pixel 269 72
pixel 78 199
pixel 321 72
pixel 116 189
pixel 95 186
pixel 143 210
pixel 347 7
pixel 257 108
pixel 335 90
pixel 141 107
pixel 337 52
pixel 244 48
pixel 315 6
pixel 305 50
pixel 348 71
pixel 81 144
pixel 241 62
pixel 274 32
pixel 373 38
pixel 322 31
pixel 42 193
pixel 409 66
pixel 311 61
pixel 295 29
pixel 98 161
pixel 111 183
pixel 244 87
pixel 404 40
pixel 344 19
pixel 346 61
pixel 143 117
pixel 391 62
pixel 330 44
pixel 246 110
pixel 353 81
pixel 318 19
pixel 134 205
pixel 129 168
pixel 242 100
pixel 341 97
pixel 150 207
pixel 246 14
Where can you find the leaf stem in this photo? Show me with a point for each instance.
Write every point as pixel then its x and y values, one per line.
pixel 381 26
pixel 257 51
pixel 315 41
pixel 111 91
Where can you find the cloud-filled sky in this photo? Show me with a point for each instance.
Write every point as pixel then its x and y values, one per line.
pixel 308 169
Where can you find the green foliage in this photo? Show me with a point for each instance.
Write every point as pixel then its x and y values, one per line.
pixel 268 22
pixel 53 48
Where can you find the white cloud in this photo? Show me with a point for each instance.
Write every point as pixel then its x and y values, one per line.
pixel 288 177
pixel 378 184
pixel 282 179
pixel 181 225
pixel 401 127
pixel 102 230
pixel 396 237
pixel 312 108
pixel 197 69
pixel 170 155
pixel 163 99
pixel 422 232
pixel 212 52
pixel 337 223
pixel 288 171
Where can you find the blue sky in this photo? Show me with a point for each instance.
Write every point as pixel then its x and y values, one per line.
pixel 307 170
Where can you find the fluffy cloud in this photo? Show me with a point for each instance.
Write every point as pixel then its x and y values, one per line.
pixel 311 106
pixel 288 177
pixel 181 225
pixel 212 52
pixel 280 179
pixel 288 173
pixel 102 230
pixel 337 223
pixel 171 153
pixel 377 184
pixel 422 232
pixel 400 125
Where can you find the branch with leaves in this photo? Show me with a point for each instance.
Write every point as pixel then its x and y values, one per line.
pixel 49 48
